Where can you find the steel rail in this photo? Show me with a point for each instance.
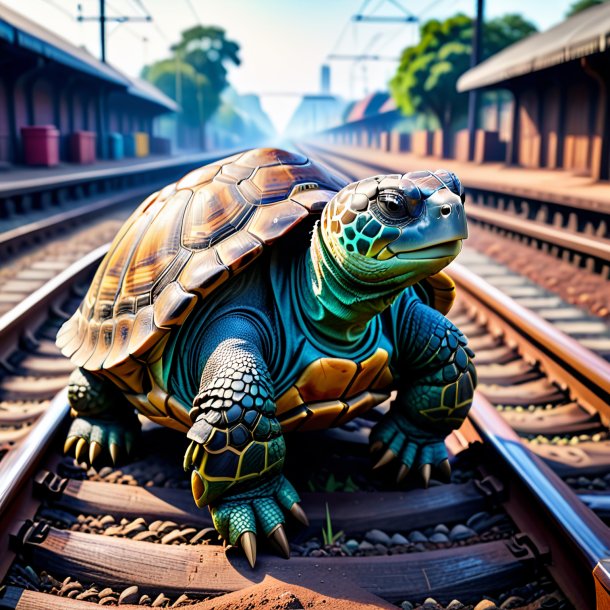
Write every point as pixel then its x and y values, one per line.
pixel 585 374
pixel 577 537
pixel 20 463
pixel 40 228
pixel 33 309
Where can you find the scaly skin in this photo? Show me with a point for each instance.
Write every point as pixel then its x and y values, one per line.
pixel 375 239
pixel 103 420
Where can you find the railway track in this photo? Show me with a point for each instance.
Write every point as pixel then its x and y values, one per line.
pixel 507 532
pixel 572 226
pixel 45 254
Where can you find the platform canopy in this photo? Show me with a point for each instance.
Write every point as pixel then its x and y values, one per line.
pixel 584 34
pixel 31 37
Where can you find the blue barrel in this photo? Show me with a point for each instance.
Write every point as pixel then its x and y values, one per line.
pixel 115 146
pixel 129 143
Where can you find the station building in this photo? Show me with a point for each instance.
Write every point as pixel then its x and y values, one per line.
pixel 559 82
pixel 58 102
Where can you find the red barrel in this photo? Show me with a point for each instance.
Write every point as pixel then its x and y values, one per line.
pixel 40 145
pixel 82 147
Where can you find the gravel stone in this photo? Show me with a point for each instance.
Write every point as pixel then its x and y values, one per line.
pixel 439 538
pixel 417 536
pixel 485 604
pixel 461 532
pixel 377 537
pixel 131 595
pixel 365 546
pixel 441 528
pixel 398 539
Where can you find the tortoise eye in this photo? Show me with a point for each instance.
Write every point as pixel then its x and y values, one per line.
pixel 396 206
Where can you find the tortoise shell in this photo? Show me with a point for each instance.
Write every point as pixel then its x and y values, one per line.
pixel 180 245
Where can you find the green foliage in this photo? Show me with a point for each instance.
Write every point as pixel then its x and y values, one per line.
pixel 425 81
pixel 582 5
pixel 327 532
pixel 196 74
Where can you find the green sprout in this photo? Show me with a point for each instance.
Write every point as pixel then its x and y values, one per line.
pixel 327 533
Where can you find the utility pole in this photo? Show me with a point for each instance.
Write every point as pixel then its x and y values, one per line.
pixel 103 19
pixel 103 29
pixel 475 59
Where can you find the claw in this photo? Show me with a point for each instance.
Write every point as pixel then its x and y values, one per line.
pixel 114 452
pixel 387 457
pixel 196 452
pixel 197 486
pixel 128 444
pixel 248 544
pixel 376 446
pixel 69 443
pixel 403 471
pixel 81 449
pixel 94 451
pixel 425 470
pixel 279 541
pixel 299 514
pixel 445 471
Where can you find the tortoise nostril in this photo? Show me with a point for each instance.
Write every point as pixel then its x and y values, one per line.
pixel 445 210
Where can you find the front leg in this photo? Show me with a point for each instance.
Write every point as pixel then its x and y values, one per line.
pixel 438 381
pixel 237 449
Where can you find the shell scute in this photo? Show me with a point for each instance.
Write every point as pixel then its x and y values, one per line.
pixel 261 157
pixel 203 273
pixel 272 221
pixel 173 305
pixel 179 246
pixel 213 212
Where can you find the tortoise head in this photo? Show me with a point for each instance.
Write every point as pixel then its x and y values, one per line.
pixel 398 226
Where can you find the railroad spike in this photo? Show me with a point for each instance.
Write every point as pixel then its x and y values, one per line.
pixel 299 514
pixel 280 542
pixel 248 544
pixel 386 458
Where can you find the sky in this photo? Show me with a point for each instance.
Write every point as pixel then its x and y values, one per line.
pixel 283 42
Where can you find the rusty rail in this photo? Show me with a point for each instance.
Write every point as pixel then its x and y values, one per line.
pixel 562 358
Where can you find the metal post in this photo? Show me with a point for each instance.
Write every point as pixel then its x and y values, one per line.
pixel 475 58
pixel 103 29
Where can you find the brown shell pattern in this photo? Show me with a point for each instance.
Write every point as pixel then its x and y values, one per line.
pixel 180 245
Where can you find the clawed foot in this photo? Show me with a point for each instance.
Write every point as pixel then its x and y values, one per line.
pixel 394 438
pixel 90 437
pixel 239 517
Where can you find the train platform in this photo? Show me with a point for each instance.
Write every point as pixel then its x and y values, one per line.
pixel 19 179
pixel 553 186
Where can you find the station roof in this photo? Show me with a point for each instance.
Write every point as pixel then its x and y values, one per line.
pixel 583 34
pixel 367 107
pixel 22 32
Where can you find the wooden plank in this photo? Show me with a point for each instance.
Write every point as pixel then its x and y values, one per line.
pixel 271 593
pixel 351 512
pixel 212 570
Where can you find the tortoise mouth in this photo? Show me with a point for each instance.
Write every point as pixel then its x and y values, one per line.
pixel 444 250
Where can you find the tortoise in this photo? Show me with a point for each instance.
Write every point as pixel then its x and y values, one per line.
pixel 261 294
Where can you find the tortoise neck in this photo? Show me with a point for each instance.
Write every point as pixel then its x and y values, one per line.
pixel 335 304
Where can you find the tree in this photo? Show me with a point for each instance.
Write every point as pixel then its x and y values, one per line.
pixel 196 75
pixel 426 78
pixel 582 5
